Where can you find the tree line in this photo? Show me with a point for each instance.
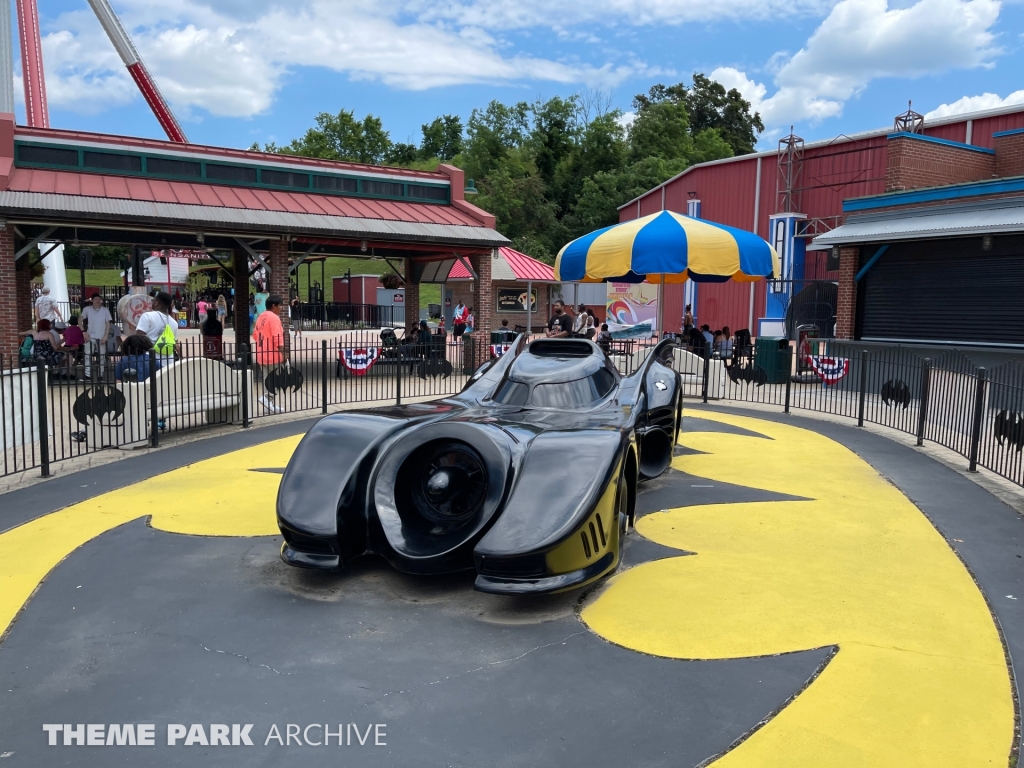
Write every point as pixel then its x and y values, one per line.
pixel 554 170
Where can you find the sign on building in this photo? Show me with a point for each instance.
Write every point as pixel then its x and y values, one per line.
pixel 514 300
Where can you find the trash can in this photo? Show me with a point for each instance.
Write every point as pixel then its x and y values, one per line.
pixel 434 310
pixel 468 354
pixel 771 353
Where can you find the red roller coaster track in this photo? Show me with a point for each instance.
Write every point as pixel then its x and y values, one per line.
pixel 35 84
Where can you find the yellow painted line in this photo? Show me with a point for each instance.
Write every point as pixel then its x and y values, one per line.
pixel 215 497
pixel 920 678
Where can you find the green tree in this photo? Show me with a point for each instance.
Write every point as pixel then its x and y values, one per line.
pixel 661 129
pixel 402 155
pixel 492 133
pixel 709 105
pixel 555 133
pixel 342 137
pixel 442 138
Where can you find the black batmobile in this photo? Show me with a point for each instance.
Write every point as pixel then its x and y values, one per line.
pixel 528 476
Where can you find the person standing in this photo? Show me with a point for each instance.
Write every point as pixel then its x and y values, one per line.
pixel 688 319
pixel 459 320
pixel 97 326
pixel 579 325
pixel 560 324
pixel 47 309
pixel 295 314
pixel 222 310
pixel 160 328
pixel 260 302
pixel 270 346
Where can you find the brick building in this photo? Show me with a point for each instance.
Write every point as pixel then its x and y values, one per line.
pixel 966 160
pixel 513 274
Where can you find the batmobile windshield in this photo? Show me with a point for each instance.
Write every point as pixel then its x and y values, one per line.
pixel 578 393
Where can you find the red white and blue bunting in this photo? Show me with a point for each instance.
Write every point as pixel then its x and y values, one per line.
pixel 359 361
pixel 497 350
pixel 829 369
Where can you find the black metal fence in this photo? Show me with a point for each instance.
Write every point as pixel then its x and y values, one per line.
pixel 59 410
pixel 341 315
pixel 55 410
pixel 944 399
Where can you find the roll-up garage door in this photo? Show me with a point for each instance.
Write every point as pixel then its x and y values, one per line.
pixel 945 290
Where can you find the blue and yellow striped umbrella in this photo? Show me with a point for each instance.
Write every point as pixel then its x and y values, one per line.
pixel 667 245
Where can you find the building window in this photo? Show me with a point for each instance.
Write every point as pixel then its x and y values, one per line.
pixel 335 184
pixel 428 193
pixel 109 161
pixel 168 167
pixel 382 188
pixel 285 178
pixel 231 173
pixel 47 155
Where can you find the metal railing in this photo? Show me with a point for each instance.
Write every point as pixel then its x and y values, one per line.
pixel 54 411
pixel 51 411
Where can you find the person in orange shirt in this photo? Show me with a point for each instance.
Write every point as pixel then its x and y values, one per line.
pixel 269 343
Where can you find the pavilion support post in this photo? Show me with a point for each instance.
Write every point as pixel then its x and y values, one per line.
pixel 483 305
pixel 278 279
pixel 240 267
pixel 15 296
pixel 412 295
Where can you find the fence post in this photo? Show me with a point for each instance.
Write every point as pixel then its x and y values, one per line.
pixel 398 377
pixel 789 376
pixel 979 410
pixel 323 379
pixel 707 370
pixel 863 386
pixel 154 423
pixel 243 352
pixel 922 416
pixel 44 422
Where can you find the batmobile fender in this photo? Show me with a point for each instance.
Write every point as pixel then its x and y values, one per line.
pixel 537 544
pixel 403 536
pixel 325 468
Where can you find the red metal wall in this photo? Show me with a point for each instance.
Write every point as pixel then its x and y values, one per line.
pixel 986 126
pixel 831 173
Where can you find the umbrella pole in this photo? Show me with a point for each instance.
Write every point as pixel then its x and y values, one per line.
pixel 661 308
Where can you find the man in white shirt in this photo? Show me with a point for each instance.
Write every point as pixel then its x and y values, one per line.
pixel 97 325
pixel 160 328
pixel 46 307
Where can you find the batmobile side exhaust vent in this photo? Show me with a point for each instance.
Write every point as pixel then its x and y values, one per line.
pixel 591 547
pixel 559 348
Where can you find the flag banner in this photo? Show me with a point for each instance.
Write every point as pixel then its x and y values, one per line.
pixel 829 369
pixel 497 350
pixel 359 361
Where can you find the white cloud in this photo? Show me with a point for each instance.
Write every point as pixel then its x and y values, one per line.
pixel 521 14
pixel 231 60
pixel 976 104
pixel 863 40
pixel 626 119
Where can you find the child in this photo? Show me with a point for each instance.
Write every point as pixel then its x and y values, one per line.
pixel 134 362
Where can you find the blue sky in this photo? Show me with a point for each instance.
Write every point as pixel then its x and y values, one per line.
pixel 238 71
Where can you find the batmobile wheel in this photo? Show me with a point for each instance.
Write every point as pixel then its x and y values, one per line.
pixel 448 482
pixel 435 492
